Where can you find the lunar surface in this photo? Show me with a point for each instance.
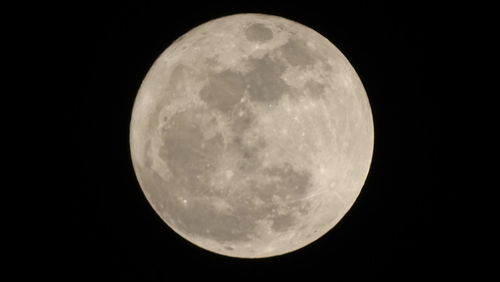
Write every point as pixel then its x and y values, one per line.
pixel 251 136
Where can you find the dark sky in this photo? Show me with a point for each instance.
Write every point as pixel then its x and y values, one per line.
pixel 388 232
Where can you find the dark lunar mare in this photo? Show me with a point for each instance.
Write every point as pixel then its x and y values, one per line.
pixel 193 162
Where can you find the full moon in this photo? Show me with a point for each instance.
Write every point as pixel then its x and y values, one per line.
pixel 251 136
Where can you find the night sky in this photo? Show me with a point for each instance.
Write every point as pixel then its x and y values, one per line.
pixel 387 233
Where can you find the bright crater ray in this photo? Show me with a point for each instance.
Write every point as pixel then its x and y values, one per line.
pixel 251 136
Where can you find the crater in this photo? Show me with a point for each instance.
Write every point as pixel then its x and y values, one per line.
pixel 258 33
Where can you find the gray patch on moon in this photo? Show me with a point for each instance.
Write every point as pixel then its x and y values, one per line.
pixel 258 33
pixel 174 88
pixel 297 53
pixel 189 157
pixel 192 160
pixel 285 182
pixel 242 119
pixel 282 223
pixel 224 90
pixel 198 217
pixel 177 79
pixel 249 154
pixel 315 88
pixel 261 197
pixel 265 82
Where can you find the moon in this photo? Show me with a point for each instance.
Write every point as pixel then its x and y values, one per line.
pixel 251 136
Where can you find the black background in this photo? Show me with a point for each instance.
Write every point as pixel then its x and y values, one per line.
pixel 389 230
